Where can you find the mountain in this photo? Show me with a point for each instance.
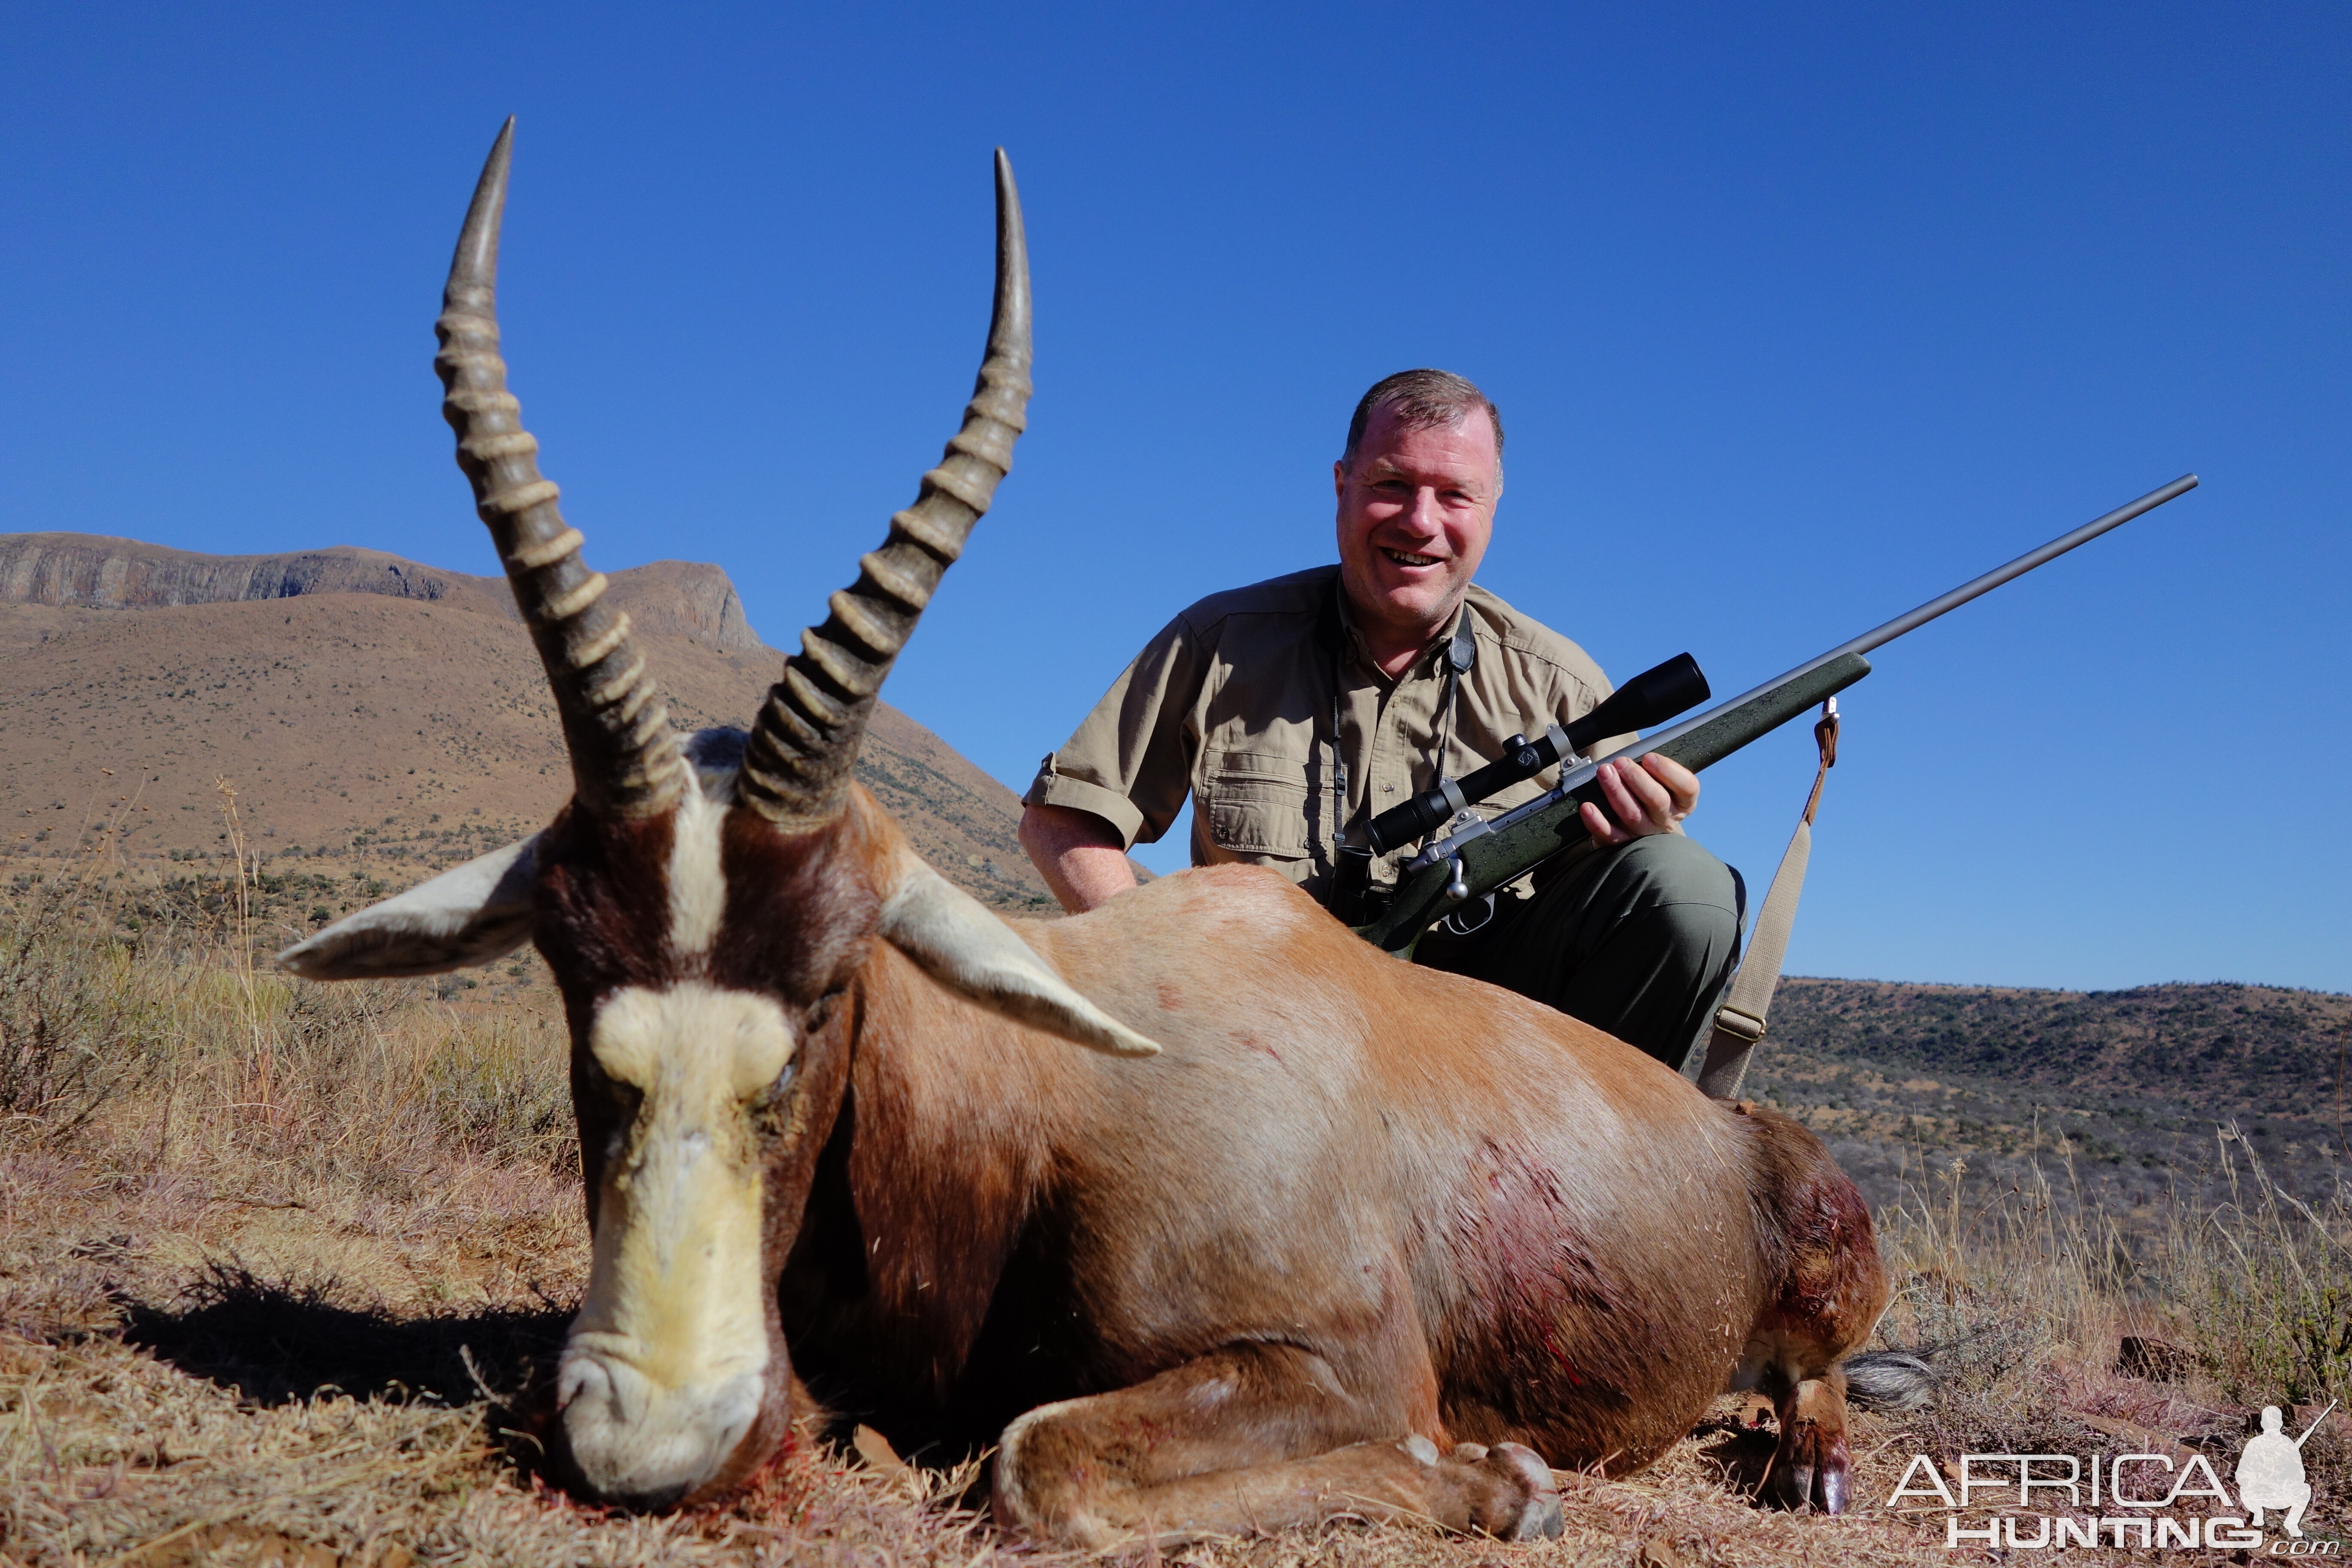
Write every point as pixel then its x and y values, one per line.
pixel 2127 1095
pixel 362 705
pixel 2249 1049
pixel 85 571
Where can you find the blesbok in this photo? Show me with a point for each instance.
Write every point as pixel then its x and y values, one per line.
pixel 1303 1230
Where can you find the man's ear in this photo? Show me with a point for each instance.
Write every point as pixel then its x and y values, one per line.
pixel 475 914
pixel 968 949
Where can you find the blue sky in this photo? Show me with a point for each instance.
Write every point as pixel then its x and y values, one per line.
pixel 1796 315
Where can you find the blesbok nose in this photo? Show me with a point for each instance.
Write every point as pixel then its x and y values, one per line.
pixel 634 1441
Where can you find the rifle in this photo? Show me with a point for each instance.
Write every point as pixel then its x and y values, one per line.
pixel 2315 1425
pixel 1473 856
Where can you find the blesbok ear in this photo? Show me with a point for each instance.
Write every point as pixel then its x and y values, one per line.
pixel 475 914
pixel 965 948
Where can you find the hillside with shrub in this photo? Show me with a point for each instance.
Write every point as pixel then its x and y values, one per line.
pixel 2140 1089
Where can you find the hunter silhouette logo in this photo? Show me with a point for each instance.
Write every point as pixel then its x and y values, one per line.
pixel 2270 1471
pixel 2125 1500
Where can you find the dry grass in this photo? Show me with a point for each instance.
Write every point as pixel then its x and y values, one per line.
pixel 277 1262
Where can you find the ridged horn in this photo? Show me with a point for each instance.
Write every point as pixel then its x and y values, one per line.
pixel 615 723
pixel 797 764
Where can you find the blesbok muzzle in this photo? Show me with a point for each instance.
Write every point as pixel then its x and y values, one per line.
pixel 675 1354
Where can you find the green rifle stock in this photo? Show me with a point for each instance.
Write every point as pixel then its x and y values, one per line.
pixel 1461 866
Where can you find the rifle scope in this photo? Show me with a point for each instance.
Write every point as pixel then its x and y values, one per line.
pixel 1651 698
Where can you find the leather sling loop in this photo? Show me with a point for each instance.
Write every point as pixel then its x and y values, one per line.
pixel 1739 1021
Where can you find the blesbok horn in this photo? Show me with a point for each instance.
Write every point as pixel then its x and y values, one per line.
pixel 797 764
pixel 615 723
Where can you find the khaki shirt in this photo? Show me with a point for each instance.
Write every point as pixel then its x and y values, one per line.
pixel 1233 704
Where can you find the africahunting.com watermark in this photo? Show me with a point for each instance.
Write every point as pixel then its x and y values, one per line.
pixel 2146 1501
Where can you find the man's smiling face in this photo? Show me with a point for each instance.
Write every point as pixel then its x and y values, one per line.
pixel 1416 508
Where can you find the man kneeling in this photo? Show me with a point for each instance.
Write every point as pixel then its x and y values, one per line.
pixel 1294 710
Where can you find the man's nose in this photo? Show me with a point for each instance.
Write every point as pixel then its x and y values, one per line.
pixel 1422 514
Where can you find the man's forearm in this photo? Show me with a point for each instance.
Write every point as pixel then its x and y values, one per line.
pixel 1078 853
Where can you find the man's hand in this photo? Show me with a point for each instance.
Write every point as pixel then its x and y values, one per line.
pixel 1079 854
pixel 1649 796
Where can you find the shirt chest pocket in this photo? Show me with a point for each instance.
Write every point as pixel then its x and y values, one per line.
pixel 1256 803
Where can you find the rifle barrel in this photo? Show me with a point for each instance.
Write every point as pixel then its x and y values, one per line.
pixel 1913 620
pixel 1497 852
pixel 2017 568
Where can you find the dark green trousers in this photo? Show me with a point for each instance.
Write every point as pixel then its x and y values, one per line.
pixel 1637 939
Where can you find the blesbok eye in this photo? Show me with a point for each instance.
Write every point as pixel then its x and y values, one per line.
pixel 773 1096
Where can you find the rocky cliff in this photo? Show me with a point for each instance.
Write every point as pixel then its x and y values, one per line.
pixel 371 710
pixel 85 571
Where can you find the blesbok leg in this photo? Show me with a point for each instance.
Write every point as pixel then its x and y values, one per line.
pixel 1831 1288
pixel 1811 1464
pixel 1249 1438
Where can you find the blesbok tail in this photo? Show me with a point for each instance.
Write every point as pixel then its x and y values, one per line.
pixel 1888 1380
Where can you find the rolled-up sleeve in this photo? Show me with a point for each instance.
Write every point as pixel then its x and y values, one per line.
pixel 1131 760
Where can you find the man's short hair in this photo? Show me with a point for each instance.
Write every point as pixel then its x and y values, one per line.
pixel 1422 400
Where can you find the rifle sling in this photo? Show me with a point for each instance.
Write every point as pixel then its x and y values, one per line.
pixel 1739 1021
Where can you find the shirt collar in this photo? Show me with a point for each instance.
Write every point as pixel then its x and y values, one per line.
pixel 1430 660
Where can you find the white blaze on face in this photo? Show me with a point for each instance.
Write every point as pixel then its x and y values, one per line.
pixel 697 885
pixel 664 1371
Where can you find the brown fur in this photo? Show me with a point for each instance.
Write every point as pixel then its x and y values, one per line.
pixel 1352 1203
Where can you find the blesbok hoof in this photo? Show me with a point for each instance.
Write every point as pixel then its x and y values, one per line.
pixel 1831 1484
pixel 1811 1468
pixel 1527 1504
pixel 1793 1484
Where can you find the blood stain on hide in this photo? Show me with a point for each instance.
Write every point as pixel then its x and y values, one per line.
pixel 1172 996
pixel 1517 1233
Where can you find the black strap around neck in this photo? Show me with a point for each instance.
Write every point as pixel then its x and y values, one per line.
pixel 1331 630
pixel 1461 658
pixel 1463 654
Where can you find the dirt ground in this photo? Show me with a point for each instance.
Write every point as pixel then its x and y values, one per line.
pixel 302 1374
pixel 305 1375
